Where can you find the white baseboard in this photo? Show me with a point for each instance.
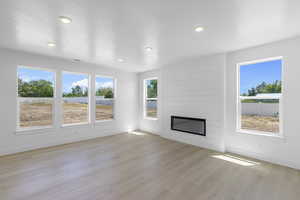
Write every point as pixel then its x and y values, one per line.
pixel 259 156
pixel 206 145
pixel 14 150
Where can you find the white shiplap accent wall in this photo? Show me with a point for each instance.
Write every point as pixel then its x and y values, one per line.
pixel 194 88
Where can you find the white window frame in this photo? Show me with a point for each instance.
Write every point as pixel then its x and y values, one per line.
pixel 145 98
pixel 240 98
pixel 21 99
pixel 113 99
pixel 62 99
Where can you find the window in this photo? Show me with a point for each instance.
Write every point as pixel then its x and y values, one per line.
pixel 259 99
pixel 150 100
pixel 75 98
pixel 35 98
pixel 104 98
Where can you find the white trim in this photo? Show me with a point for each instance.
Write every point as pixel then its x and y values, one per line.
pixel 260 60
pixel 260 133
pixel 33 130
pixel 75 124
pixel 263 157
pixel 103 121
pixel 20 99
pixel 151 118
pixel 239 98
pixel 145 98
pixel 65 140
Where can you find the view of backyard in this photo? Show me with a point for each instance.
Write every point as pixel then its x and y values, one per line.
pixel 260 123
pixel 151 112
pixel 260 93
pixel 35 114
pixel 151 98
pixel 259 96
pixel 40 114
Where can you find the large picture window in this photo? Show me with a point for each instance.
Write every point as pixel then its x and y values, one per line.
pixel 35 98
pixel 104 98
pixel 75 98
pixel 259 96
pixel 150 98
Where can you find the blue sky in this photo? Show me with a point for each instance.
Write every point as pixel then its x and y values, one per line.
pixel 253 74
pixel 69 79
pixel 28 74
pixel 104 82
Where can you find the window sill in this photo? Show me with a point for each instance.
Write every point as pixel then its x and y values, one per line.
pixel 151 118
pixel 36 130
pixel 85 124
pixel 260 133
pixel 105 120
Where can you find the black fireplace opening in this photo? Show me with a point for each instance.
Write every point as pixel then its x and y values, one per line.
pixel 191 125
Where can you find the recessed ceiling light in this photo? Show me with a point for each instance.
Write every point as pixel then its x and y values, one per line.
pixel 199 29
pixel 148 49
pixel 120 60
pixel 51 44
pixel 65 20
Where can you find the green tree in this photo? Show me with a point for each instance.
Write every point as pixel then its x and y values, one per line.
pixel 76 91
pixel 264 87
pixel 152 89
pixel 106 92
pixel 35 88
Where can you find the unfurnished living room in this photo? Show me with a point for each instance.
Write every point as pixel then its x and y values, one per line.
pixel 149 100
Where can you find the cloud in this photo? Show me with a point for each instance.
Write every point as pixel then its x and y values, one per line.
pixel 84 83
pixel 104 84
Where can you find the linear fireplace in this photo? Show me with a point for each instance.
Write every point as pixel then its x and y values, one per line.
pixel 195 126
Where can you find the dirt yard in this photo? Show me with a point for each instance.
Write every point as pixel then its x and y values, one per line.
pixel 151 112
pixel 35 114
pixel 260 123
pixel 40 114
pixel 104 112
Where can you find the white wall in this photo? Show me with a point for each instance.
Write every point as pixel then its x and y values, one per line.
pixel 194 88
pixel 10 142
pixel 282 151
pixel 200 87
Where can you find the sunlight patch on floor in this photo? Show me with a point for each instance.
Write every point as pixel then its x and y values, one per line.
pixel 236 160
pixel 136 133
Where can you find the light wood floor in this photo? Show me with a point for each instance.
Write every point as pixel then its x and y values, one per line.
pixel 139 167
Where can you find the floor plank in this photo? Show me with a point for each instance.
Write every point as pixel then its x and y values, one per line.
pixel 135 167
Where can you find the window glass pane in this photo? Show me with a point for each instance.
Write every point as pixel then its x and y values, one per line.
pixel 35 97
pixel 35 112
pixel 104 109
pixel 104 98
pixel 151 108
pixel 151 88
pixel 260 115
pixel 75 98
pixel 260 78
pixel 105 87
pixel 35 83
pixel 262 81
